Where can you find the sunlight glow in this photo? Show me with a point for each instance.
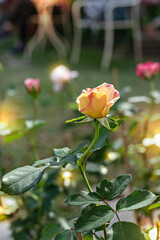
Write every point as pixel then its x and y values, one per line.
pixel 148 142
pixel 67 182
pixel 153 233
pixel 7 205
pixel 66 174
pixel 113 156
pixel 103 170
pixel 157 140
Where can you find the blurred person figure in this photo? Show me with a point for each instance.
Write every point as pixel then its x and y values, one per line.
pixel 16 13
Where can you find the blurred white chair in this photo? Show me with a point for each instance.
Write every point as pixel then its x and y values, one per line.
pixel 45 26
pixel 108 24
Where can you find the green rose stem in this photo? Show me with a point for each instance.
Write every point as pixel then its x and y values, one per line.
pixel 152 84
pixel 80 163
pixel 105 231
pixel 32 139
pixel 81 166
pixel 106 202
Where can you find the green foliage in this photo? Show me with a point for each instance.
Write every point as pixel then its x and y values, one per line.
pixel 66 235
pixel 125 231
pixel 32 125
pixel 21 128
pixel 155 205
pixel 111 125
pixel 95 237
pixel 49 231
pixel 80 147
pixel 136 200
pixel 94 218
pixel 70 158
pixel 84 198
pixel 61 152
pixel 42 162
pixel 101 142
pixel 111 189
pixel 21 179
pixel 33 214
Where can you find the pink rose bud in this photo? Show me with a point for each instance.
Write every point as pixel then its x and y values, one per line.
pixel 60 75
pixel 148 69
pixel 97 102
pixel 32 85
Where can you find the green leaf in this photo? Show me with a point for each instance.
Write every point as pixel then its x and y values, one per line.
pixel 94 218
pixel 21 179
pixel 88 237
pixel 85 120
pixel 101 142
pixel 112 126
pixel 43 161
pixel 130 232
pixel 84 198
pixel 32 125
pixel 13 136
pixel 147 236
pixel 49 231
pixel 136 200
pixel 66 235
pixel 132 128
pixel 80 147
pixel 71 158
pixel 18 125
pixel 88 208
pixel 111 189
pixel 61 152
pixel 155 205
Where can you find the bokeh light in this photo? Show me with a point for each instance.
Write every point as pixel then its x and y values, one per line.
pixel 153 234
pixel 66 175
pixel 157 140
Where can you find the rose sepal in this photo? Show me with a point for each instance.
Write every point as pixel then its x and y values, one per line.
pixel 111 124
pixel 82 119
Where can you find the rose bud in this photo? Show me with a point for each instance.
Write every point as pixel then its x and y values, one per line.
pixel 147 70
pixel 60 75
pixel 96 102
pixel 32 85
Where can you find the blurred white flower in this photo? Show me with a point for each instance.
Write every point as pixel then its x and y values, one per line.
pixel 60 75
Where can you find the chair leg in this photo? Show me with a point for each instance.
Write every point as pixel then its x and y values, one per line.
pixel 137 35
pixel 34 42
pixel 76 47
pixel 56 42
pixel 108 47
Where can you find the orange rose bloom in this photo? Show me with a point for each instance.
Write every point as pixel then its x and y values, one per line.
pixel 96 102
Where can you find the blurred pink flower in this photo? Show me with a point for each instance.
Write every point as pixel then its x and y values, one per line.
pixel 60 75
pixel 147 70
pixel 32 85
